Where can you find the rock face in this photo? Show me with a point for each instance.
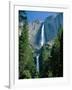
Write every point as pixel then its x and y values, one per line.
pixel 33 31
pixel 51 27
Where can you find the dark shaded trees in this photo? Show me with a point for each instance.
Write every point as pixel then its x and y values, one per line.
pixel 57 55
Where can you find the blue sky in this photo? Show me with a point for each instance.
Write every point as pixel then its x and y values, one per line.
pixel 33 15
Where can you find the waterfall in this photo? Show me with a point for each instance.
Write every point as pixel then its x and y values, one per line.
pixel 37 63
pixel 41 44
pixel 42 35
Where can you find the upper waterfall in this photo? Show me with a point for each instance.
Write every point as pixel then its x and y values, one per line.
pixel 42 36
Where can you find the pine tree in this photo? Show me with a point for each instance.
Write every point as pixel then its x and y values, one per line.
pixel 23 43
pixel 26 64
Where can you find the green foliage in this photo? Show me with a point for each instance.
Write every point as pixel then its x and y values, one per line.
pixel 44 53
pixel 45 61
pixel 25 74
pixel 26 62
pixel 57 55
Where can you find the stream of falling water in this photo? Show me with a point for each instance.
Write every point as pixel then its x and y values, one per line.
pixel 41 43
pixel 37 62
pixel 42 35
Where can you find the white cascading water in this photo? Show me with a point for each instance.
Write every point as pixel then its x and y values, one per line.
pixel 37 62
pixel 41 43
pixel 42 35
